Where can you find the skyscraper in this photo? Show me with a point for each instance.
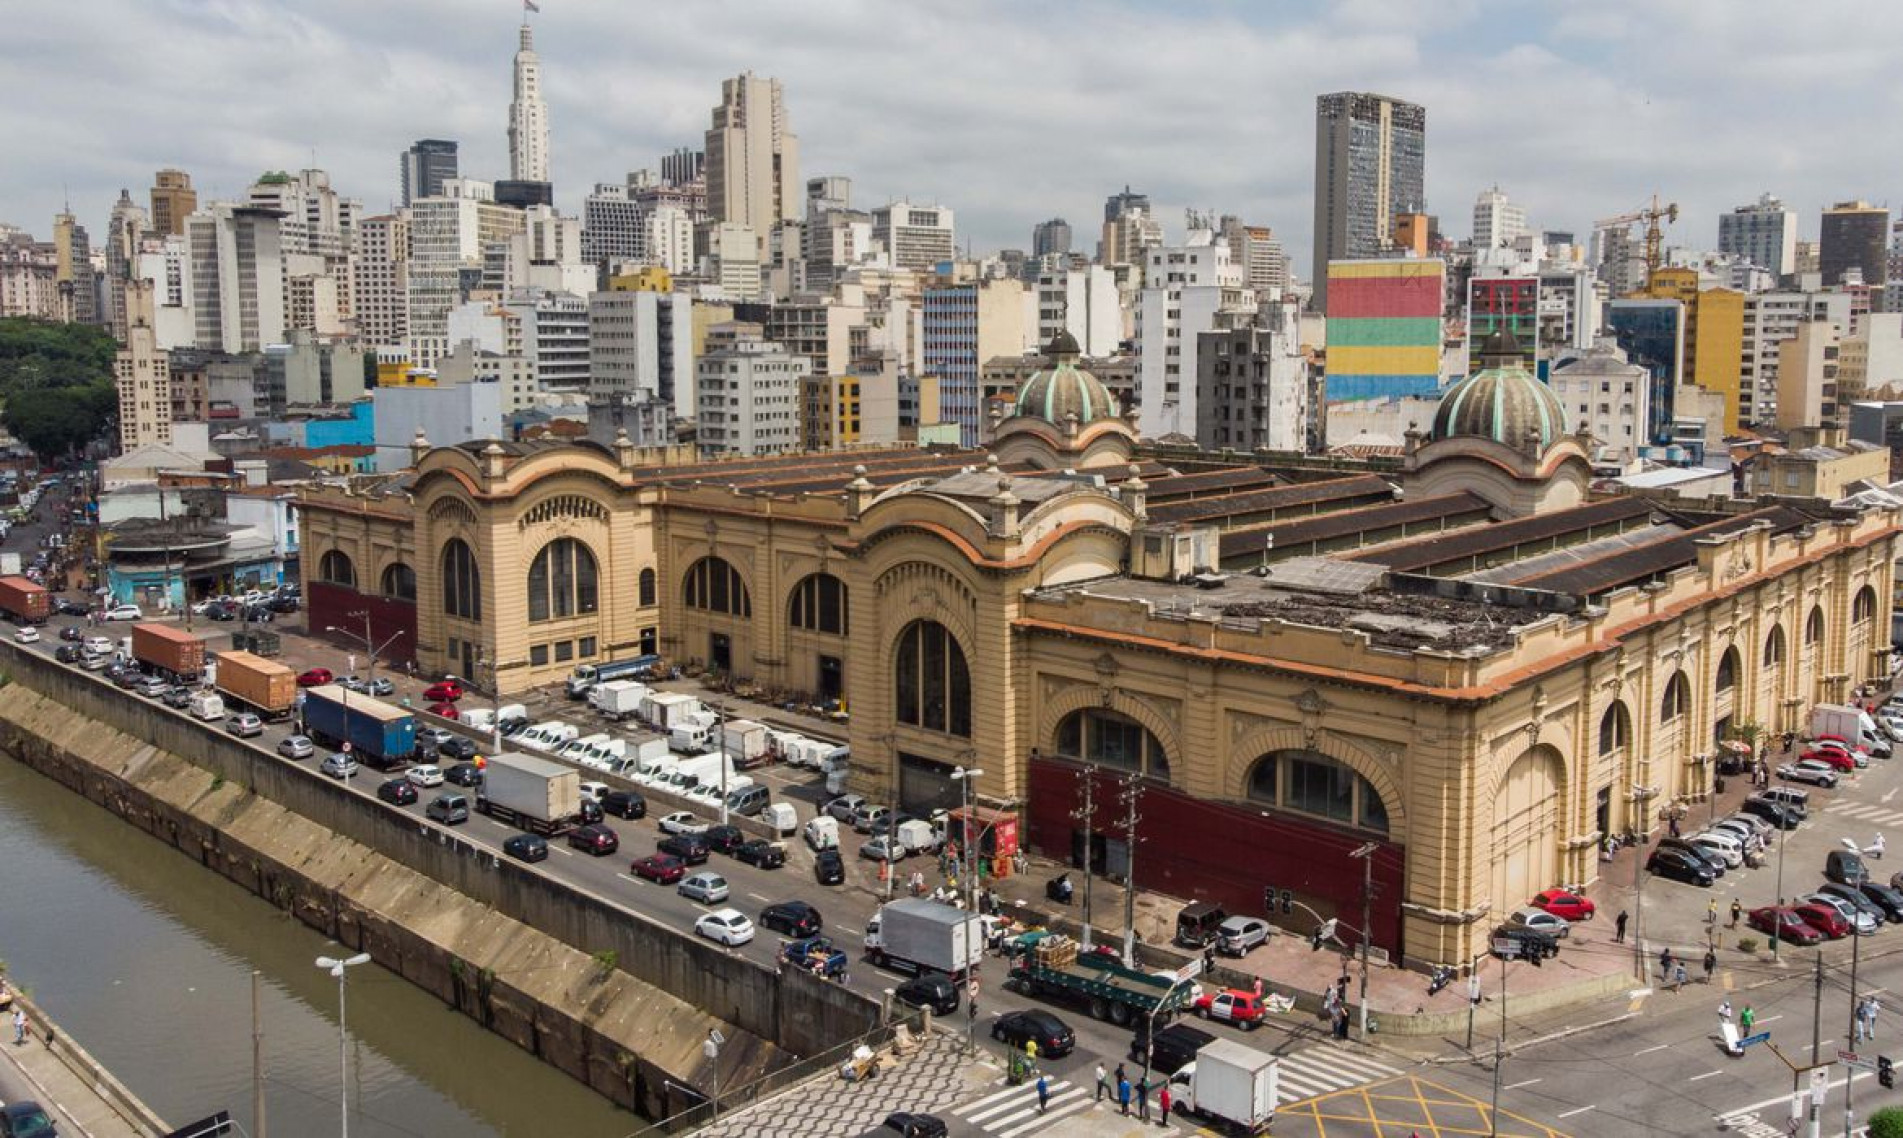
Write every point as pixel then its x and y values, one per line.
pixel 173 200
pixel 752 162
pixel 1852 237
pixel 1370 165
pixel 528 117
pixel 684 165
pixel 1049 237
pixel 122 249
pixel 1498 221
pixel 1764 234
pixel 426 165
pixel 73 272
pixel 1118 204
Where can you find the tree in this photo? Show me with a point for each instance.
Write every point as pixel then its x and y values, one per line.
pixel 54 422
pixel 1887 1123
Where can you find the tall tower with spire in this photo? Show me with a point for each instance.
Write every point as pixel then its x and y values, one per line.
pixel 528 116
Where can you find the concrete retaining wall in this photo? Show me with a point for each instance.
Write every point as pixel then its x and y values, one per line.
pixel 101 1082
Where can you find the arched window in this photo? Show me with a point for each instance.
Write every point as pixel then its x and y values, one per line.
pixel 647 588
pixel 1615 728
pixel 1774 647
pixel 562 581
pixel 1112 739
pixel 335 568
pixel 933 684
pixel 819 605
pixel 1814 627
pixel 1864 606
pixel 399 582
pixel 462 583
pixel 1309 782
pixel 1678 698
pixel 712 585
pixel 1728 670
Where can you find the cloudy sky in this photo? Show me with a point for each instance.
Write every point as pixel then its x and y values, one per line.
pixel 1007 112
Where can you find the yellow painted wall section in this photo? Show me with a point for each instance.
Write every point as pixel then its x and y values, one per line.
pixel 1383 361
pixel 1391 269
pixel 1718 354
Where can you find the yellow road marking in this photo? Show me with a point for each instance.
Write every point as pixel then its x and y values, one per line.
pixel 1434 1111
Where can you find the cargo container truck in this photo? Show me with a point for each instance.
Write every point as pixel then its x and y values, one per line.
pixel 172 651
pixel 376 733
pixel 529 793
pixel 257 684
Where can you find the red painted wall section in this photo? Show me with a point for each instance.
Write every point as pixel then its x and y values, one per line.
pixel 326 604
pixel 1213 851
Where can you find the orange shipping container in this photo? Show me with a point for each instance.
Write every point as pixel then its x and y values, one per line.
pixel 270 689
pixel 173 649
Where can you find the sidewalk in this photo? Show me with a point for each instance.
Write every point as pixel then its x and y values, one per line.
pixel 92 1104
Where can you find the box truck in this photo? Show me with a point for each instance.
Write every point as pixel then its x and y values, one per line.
pixel 533 794
pixel 1230 1084
pixel 25 601
pixel 691 737
pixel 915 935
pixel 268 689
pixel 376 734
pixel 746 741
pixel 664 708
pixel 1852 724
pixel 169 650
pixel 619 699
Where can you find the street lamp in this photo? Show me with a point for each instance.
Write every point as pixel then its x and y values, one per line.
pixel 370 647
pixel 1640 796
pixel 711 1049
pixel 963 778
pixel 336 969
pixel 1366 856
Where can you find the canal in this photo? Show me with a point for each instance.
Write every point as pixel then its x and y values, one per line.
pixel 146 958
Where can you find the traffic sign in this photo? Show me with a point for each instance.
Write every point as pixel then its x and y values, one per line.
pixel 1760 1037
pixel 1506 948
pixel 1856 1061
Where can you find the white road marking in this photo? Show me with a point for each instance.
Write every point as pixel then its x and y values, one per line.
pixel 1649 1050
pixel 1706 1075
pixel 757 897
pixel 1570 1113
pixel 1785 1098
pixel 1888 794
pixel 1527 1083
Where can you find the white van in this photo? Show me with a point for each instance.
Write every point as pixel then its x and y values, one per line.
pixel 656 773
pixel 821 832
pixel 485 718
pixel 781 817
pixel 691 738
pixel 207 705
pixel 549 736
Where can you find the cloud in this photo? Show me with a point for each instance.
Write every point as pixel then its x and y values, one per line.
pixel 1008 113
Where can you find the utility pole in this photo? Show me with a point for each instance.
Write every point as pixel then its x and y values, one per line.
pixel 1132 790
pixel 257 1059
pixel 1366 855
pixel 1856 950
pixel 1816 1036
pixel 1086 813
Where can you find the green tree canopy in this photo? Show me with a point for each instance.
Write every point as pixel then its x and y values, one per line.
pixel 56 381
pixel 1887 1123
pixel 55 422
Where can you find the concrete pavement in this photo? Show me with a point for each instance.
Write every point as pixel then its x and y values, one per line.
pixel 55 1071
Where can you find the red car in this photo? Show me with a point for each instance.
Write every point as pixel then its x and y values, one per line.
pixel 1560 903
pixel 449 691
pixel 1836 758
pixel 663 868
pixel 446 710
pixel 1824 919
pixel 594 838
pixel 1783 922
pixel 1235 1005
pixel 316 677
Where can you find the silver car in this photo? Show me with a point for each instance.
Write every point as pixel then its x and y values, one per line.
pixel 297 747
pixel 1863 922
pixel 705 887
pixel 1539 921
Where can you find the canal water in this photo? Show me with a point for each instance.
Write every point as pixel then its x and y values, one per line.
pixel 146 959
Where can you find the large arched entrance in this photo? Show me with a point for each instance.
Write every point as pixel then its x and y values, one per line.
pixel 1526 828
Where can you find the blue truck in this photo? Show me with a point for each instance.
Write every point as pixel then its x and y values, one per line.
pixel 815 954
pixel 375 733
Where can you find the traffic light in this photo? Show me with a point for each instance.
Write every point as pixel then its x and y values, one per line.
pixel 1288 902
pixel 1268 898
pixel 1886 1071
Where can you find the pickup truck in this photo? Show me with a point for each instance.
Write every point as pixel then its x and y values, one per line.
pixel 817 955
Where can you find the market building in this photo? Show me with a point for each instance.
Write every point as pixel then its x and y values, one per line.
pixel 1459 656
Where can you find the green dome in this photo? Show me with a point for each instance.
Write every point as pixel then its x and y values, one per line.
pixel 1503 402
pixel 1062 388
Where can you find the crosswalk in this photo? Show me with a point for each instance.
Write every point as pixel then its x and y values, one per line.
pixel 1012 1111
pixel 1866 812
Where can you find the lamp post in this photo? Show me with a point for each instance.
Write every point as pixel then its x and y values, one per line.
pixel 964 778
pixel 1640 796
pixel 495 703
pixel 370 647
pixel 336 968
pixel 1366 856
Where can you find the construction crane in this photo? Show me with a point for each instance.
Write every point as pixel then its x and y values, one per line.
pixel 1654 239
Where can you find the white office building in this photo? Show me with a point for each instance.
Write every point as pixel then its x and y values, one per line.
pixel 1498 221
pixel 1764 233
pixel 915 237
pixel 237 277
pixel 641 345
pixel 445 414
pixel 748 399
pixel 448 236
pixel 1084 302
pixel 1185 288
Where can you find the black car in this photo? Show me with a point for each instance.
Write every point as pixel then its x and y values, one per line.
pixel 624 804
pixel 761 853
pixel 1886 897
pixel 513 726
pixel 527 847
pixel 828 867
pixel 178 698
pixel 68 653
pixel 1052 1036
pixel 129 678
pixel 1680 866
pixel 282 604
pixel 1778 815
pixel 1173 1046
pixel 1846 868
pixel 464 774
pixel 724 839
pixel 911 1125
pixel 23 1118
pixel 933 990
pixel 1711 859
pixel 595 839
pixel 458 748
pixel 591 812
pixel 65 607
pixel 397 791
pixel 690 848
pixel 71 632
pixel 794 918
pixel 220 611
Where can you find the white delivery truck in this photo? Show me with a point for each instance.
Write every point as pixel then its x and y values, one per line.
pixel 533 794
pixel 920 836
pixel 638 755
pixel 207 705
pixel 1852 724
pixel 484 718
pixel 663 709
pixel 691 737
pixel 1230 1084
pixel 619 699
pixel 918 936
pixel 746 741
pixel 702 770
pixel 577 747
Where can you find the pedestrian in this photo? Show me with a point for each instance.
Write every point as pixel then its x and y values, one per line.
pixel 1618 928
pixel 1143 1099
pixel 1341 991
pixel 1123 1094
pixel 1341 1023
pixel 1711 963
pixel 1043 1093
pixel 1737 910
pixel 1747 1019
pixel 1678 977
pixel 1860 1022
pixel 1030 1050
pixel 1711 911
pixel 1258 987
pixel 1665 962
pixel 1103 1084
pixel 1163 1105
pixel 19 1026
pixel 1724 1010
pixel 1328 1001
pixel 1672 825
pixel 1874 1009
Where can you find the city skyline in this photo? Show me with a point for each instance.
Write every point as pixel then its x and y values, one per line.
pixel 1575 115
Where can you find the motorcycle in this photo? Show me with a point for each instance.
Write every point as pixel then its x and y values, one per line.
pixel 1059 889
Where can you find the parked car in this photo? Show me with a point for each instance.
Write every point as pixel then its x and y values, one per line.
pixel 396 791
pixel 527 847
pixel 1846 867
pixel 24 1118
pixel 1711 859
pixel 1887 898
pixel 690 848
pixel 885 847
pixel 728 926
pixel 594 838
pixel 868 816
pixel 793 918
pixel 1784 923
pixel 314 677
pixel 1054 1038
pixel 706 886
pixel 624 804
pixel 1560 903
pixel 844 807
pixel 1826 920
pixel 1793 798
pixel 123 612
pixel 297 747
pixel 1237 935
pixel 1539 921
pixel 381 687
pixel 339 765
pixel 445 711
pixel 1679 865
pixel 448 691
pixel 245 726
pixel 665 869
pixel 761 853
pixel 1835 758
pixel 425 775
pixel 1817 772
pixel 464 774
pixel 1775 813
pixel 683 822
pixel 353 684
pixel 1860 920
pixel 1727 847
pixel 829 868
pixel 1854 896
pixel 909 1124
pixel 1232 1005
